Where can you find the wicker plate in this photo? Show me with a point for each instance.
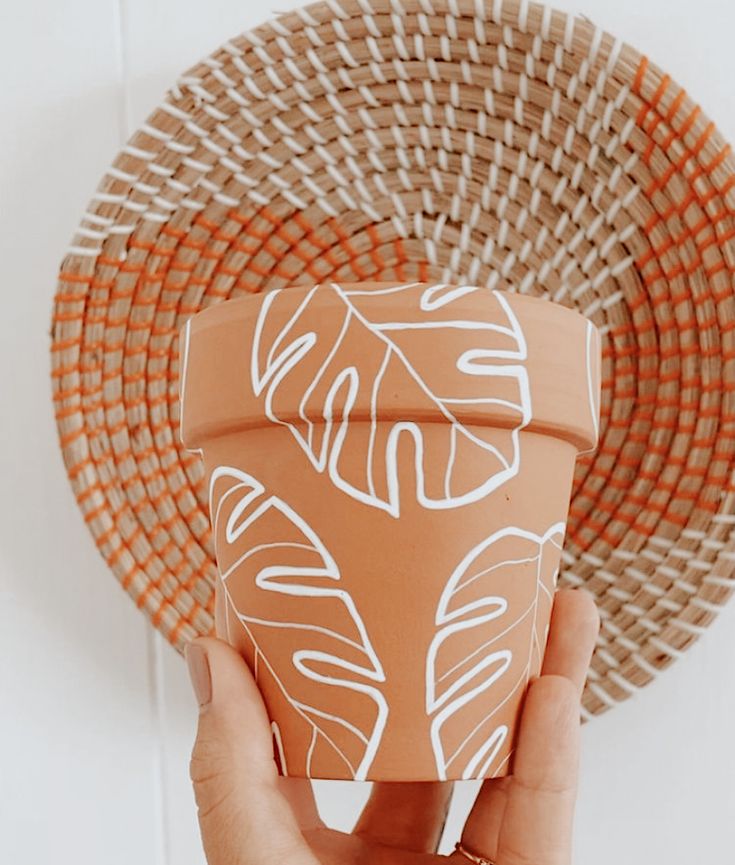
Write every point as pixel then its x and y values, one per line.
pixel 500 144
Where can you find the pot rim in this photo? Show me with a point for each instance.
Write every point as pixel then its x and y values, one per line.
pixel 210 331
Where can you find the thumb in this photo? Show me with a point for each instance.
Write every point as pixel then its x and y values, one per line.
pixel 243 816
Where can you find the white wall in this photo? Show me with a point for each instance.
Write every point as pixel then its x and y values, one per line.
pixel 97 720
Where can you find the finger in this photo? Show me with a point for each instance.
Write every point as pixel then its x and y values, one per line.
pixel 298 791
pixel 575 623
pixel 243 816
pixel 300 795
pixel 482 826
pixel 537 823
pixel 572 631
pixel 407 815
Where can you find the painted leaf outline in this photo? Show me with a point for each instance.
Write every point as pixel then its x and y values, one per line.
pixel 492 663
pixel 252 505
pixel 486 363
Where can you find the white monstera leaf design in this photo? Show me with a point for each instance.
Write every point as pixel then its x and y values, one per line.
pixel 368 358
pixel 283 586
pixel 492 623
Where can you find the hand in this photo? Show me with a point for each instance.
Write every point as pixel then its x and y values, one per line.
pixel 249 815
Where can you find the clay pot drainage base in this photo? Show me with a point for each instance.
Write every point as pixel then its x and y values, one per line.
pixel 389 470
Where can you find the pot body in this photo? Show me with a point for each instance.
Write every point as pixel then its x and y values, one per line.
pixel 389 470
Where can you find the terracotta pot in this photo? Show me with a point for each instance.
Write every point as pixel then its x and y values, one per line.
pixel 389 470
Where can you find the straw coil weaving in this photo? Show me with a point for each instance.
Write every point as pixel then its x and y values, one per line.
pixel 500 144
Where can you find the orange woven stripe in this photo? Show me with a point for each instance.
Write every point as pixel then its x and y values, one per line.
pixel 70 297
pixel 274 220
pixel 717 160
pixel 657 96
pixel 690 121
pixel 128 577
pixel 291 240
pixel 660 274
pixel 156 584
pixel 724 189
pixel 173 636
pixel 330 256
pixel 211 227
pixel 638 86
pixel 69 438
pixel 675 106
pixel 171 231
pixel 304 224
pixel 143 453
pixel 92 280
pixel 374 254
pixel 61 345
pixel 352 254
pixel 401 257
pixel 194 245
pixel 701 245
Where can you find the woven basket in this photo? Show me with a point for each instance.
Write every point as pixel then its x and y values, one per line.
pixel 500 144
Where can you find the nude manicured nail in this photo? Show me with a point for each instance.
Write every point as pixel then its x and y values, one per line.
pixel 201 679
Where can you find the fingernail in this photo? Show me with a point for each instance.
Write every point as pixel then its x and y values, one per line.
pixel 201 679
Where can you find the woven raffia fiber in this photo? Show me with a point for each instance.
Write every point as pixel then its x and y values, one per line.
pixel 502 144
